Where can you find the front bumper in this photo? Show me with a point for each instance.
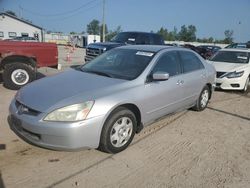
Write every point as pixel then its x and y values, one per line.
pixel 230 83
pixel 56 135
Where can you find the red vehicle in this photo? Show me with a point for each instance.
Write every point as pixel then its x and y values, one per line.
pixel 19 61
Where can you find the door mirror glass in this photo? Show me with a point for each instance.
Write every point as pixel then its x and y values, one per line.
pixel 160 76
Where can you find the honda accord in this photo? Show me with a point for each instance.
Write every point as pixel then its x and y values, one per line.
pixel 103 103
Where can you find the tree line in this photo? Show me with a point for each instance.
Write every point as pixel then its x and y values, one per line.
pixel 186 33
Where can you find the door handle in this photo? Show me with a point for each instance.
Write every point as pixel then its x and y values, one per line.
pixel 180 82
pixel 203 75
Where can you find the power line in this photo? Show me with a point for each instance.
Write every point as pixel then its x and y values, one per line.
pixel 67 17
pixel 59 14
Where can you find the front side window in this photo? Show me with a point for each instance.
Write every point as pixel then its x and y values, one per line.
pixel 1 34
pixel 143 39
pixel 12 34
pixel 125 64
pixel 168 63
pixel 231 57
pixel 190 61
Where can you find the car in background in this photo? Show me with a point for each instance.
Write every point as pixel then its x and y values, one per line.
pixel 210 50
pixel 238 45
pixel 232 68
pixel 19 61
pixel 124 38
pixel 201 51
pixel 103 103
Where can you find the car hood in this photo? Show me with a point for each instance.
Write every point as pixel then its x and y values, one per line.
pixel 69 87
pixel 107 45
pixel 228 67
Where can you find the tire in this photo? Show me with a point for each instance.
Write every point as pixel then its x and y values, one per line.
pixel 16 75
pixel 118 131
pixel 246 86
pixel 203 99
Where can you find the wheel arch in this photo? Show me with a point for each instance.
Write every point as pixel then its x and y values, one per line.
pixel 18 58
pixel 133 108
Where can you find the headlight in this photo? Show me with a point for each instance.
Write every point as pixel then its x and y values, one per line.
pixel 76 112
pixel 234 74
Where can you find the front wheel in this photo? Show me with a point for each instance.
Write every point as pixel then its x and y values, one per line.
pixel 118 131
pixel 203 99
pixel 16 75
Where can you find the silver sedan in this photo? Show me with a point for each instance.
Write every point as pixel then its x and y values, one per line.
pixel 103 103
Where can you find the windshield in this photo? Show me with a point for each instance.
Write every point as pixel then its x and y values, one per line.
pixel 125 64
pixel 125 38
pixel 231 57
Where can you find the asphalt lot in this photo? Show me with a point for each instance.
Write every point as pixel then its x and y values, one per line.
pixel 189 149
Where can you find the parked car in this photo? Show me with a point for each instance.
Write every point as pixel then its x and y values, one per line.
pixel 233 69
pixel 210 50
pixel 238 45
pixel 201 51
pixel 124 38
pixel 20 60
pixel 106 101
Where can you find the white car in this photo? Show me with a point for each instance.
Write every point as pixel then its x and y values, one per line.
pixel 232 69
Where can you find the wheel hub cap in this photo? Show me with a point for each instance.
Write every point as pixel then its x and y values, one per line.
pixel 121 132
pixel 20 77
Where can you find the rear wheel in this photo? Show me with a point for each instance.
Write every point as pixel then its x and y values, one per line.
pixel 118 131
pixel 16 75
pixel 203 99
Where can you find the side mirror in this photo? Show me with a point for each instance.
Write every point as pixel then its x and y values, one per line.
pixel 160 76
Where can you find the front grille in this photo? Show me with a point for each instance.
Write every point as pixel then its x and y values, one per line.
pixel 91 53
pixel 219 74
pixel 23 109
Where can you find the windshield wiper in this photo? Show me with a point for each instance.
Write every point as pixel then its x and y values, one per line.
pixel 98 73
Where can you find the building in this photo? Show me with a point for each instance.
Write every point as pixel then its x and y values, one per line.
pixel 12 26
pixel 78 40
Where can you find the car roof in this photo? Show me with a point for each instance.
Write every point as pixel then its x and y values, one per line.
pixel 139 32
pixel 150 48
pixel 236 49
pixel 212 46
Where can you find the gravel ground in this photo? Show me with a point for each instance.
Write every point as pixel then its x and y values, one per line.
pixel 188 149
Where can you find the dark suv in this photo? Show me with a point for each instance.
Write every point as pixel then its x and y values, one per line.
pixel 121 39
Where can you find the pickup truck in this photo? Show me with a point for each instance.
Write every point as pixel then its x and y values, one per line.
pixel 124 38
pixel 19 61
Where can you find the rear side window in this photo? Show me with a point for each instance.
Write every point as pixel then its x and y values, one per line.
pixel 143 39
pixel 169 63
pixel 190 61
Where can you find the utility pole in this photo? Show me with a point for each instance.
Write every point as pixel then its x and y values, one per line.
pixel 103 22
pixel 20 11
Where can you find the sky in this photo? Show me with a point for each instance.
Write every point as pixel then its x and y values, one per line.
pixel 211 18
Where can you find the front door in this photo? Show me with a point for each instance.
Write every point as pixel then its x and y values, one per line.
pixel 163 97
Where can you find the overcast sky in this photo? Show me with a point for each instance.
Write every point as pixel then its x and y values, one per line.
pixel 211 18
